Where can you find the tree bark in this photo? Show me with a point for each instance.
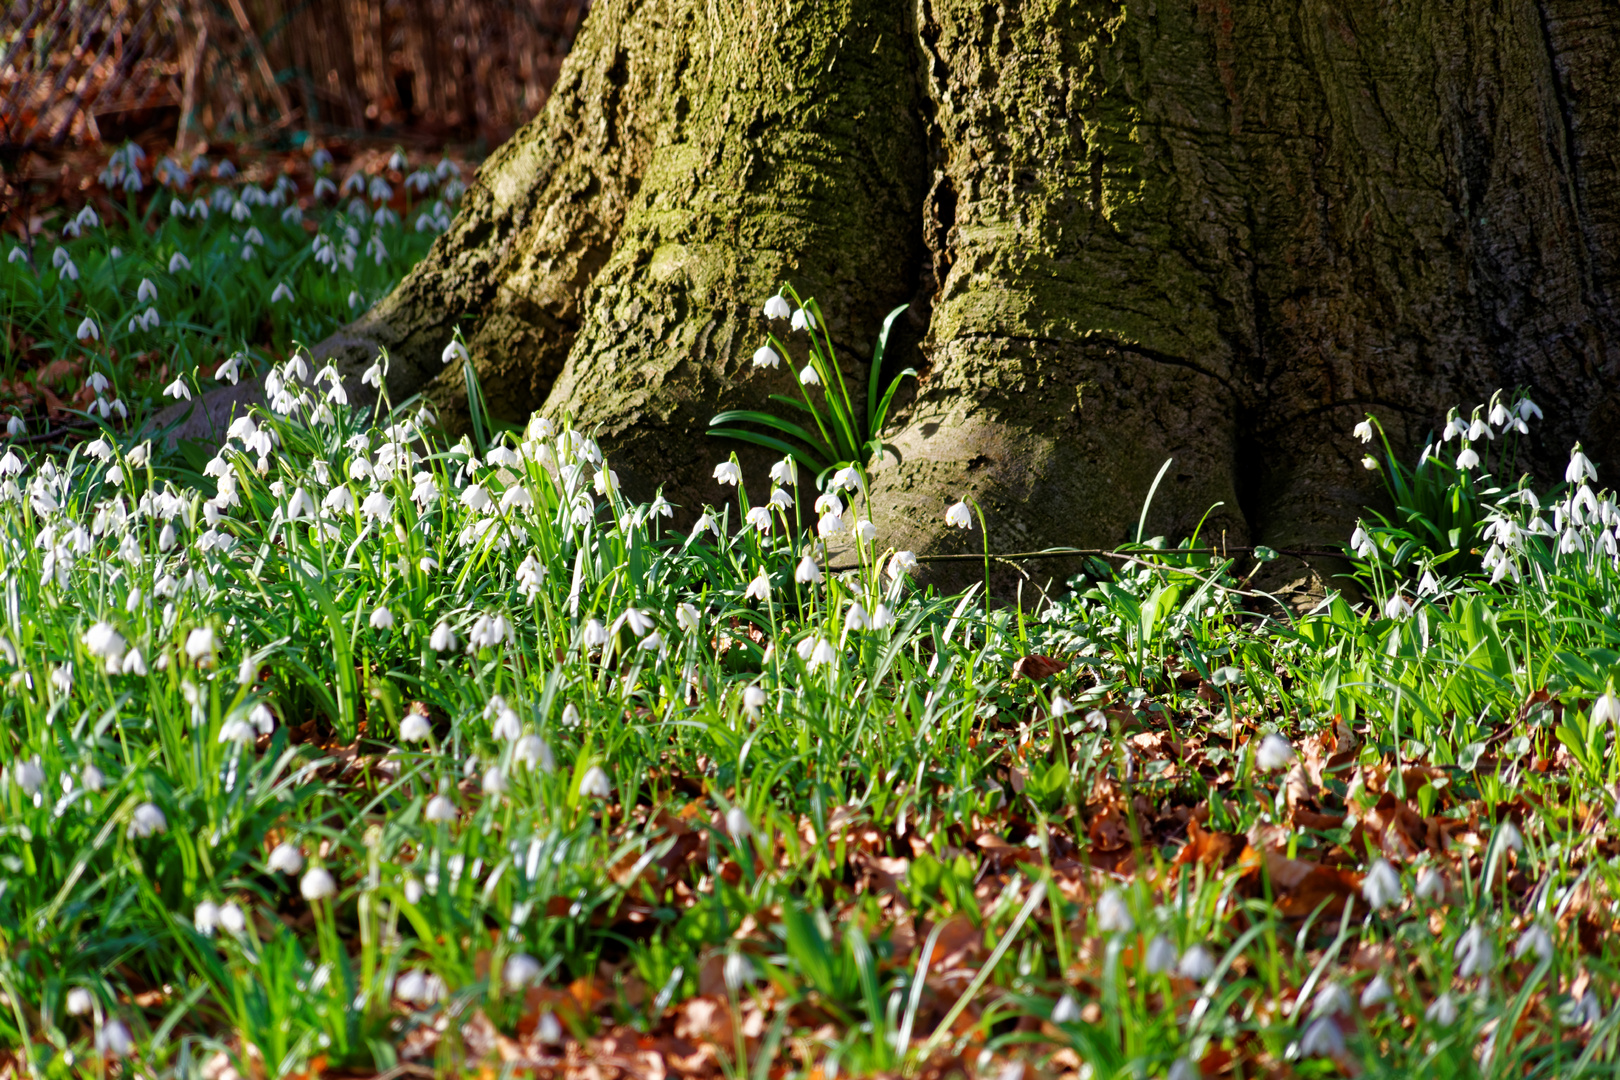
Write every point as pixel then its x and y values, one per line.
pixel 1130 231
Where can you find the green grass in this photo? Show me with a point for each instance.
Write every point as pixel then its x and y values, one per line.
pixel 348 747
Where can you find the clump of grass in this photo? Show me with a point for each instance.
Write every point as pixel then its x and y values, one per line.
pixel 356 748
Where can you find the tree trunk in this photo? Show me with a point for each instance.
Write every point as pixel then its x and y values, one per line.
pixel 1186 229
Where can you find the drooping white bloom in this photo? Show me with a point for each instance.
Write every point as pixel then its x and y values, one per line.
pixel 145 291
pixel 439 810
pixel 1065 1010
pixel 753 700
pixel 382 618
pixel 1442 1012
pixel 902 562
pixel 113 1040
pixel 686 617
pixel 280 293
pixel 88 331
pixel 803 320
pixel 759 518
pixel 959 516
pixel 285 858
pixel 777 307
pixel 1113 916
pixel 30 776
pixel 785 473
pixel 178 389
pixel 1364 431
pixel 104 642
pixel 1322 1038
pixel 857 618
pixel 1508 836
pixel 534 752
pixel 1274 753
pixel 595 783
pixel 882 617
pixel 1473 952
pixel 760 587
pixel 1580 466
pixel 318 884
pixel 200 644
pixel 1467 459
pixel 79 1002
pixel 807 572
pixel 1428 585
pixel 494 782
pixel 765 356
pixel 415 727
pixel 809 376
pixel 1382 885
pixel 1535 940
pixel 1160 956
pixel 829 503
pixel 1369 463
pixel 146 820
pixel 178 262
pixel 1606 710
pixel 520 970
pixel 1376 992
pixel 728 472
pixel 1196 964
pixel 1396 607
pixel 737 824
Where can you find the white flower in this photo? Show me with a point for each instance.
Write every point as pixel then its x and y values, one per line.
pixel 808 376
pixel 1473 952
pixel 1322 1038
pixel 821 653
pixel 533 752
pixel 803 320
pixel 959 516
pixel 494 782
pixel 594 635
pixel 145 291
pixel 262 719
pixel 178 262
pixel 200 644
pixel 443 638
pixel 1429 585
pixel 728 472
pixel 1467 459
pixel 857 618
pixel 373 376
pixel 415 727
pixel 280 292
pixel 1196 964
pixel 382 618
pixel 78 1001
pixel 1066 1010
pixel 1606 710
pixel 759 518
pixel 737 824
pixel 705 523
pixel 1528 409
pixel 1112 914
pixel 829 503
pixel 104 642
pixel 1382 885
pixel 439 809
pixel 318 884
pixel 231 918
pixel 520 970
pixel 1443 1012
pixel 113 1040
pixel 1431 884
pixel 1580 466
pixel 776 307
pixel 765 356
pixel 1369 463
pixel 882 617
pixel 1509 837
pixel 88 330
pixel 1364 431
pixel 760 587
pixel 638 621
pixel 1535 939
pixel 15 426
pixel 285 858
pixel 236 731
pixel 686 617
pixel 178 389
pixel 595 783
pixel 146 820
pixel 785 473
pixel 1274 753
pixel 807 572
pixel 829 525
pixel 91 778
pixel 1396 607
pixel 753 700
pixel 1376 992
pixel 902 562
pixel 652 641
pixel 737 971
pixel 1160 956
pixel 30 776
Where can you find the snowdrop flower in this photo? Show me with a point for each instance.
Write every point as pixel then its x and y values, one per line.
pixel 1274 753
pixel 1369 463
pixel 737 971
pixel 1376 993
pixel 781 499
pixel 765 356
pixel 104 642
pixel 959 516
pixel 415 726
pixel 728 472
pixel 178 262
pixel 145 291
pixel 1473 952
pixel 1529 409
pixel 178 389
pixel 18 254
pixel 829 525
pixel 494 782
pixel 1382 885
pixel 1196 964
pixel 638 621
pixel 737 824
pixel 807 572
pixel 1467 459
pixel 1364 431
pixel 230 369
pixel 1509 838
pixel 200 644
pixel 285 858
pixel 262 719
pixel 777 307
pixel 808 376
pixel 1443 1012
pixel 475 498
pixel 1066 1010
pixel 753 700
pixel 1396 607
pixel 652 641
pixel 829 503
pixel 236 731
pixel 758 517
pixel 1160 956
pixel 857 618
pixel 92 778
pixel 785 473
pixel 1580 466
pixel 113 1040
pixel 88 330
pixel 882 617
pixel 1536 940
pixel 1112 914
pixel 15 426
pixel 146 820
pixel 1429 585
pixel 79 1002
pixel 1361 543
pixel 1606 710
pixel 686 617
pixel 595 783
pixel 820 653
pixel 30 776
pixel 318 884
pixel 803 320
pixel 760 587
pixel 520 970
pixel 533 751
pixel 439 810
pixel 902 562
pixel 1322 1038
pixel 382 618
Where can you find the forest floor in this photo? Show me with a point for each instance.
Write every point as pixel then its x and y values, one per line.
pixel 349 750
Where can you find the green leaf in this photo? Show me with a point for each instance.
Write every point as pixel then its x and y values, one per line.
pixel 809 461
pixel 786 427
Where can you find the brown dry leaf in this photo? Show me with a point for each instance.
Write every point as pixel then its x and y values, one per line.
pixel 959 943
pixel 1203 846
pixel 1036 667
pixel 1299 886
pixel 1109 831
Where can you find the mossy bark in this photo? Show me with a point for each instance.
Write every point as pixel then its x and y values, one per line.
pixel 1132 231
